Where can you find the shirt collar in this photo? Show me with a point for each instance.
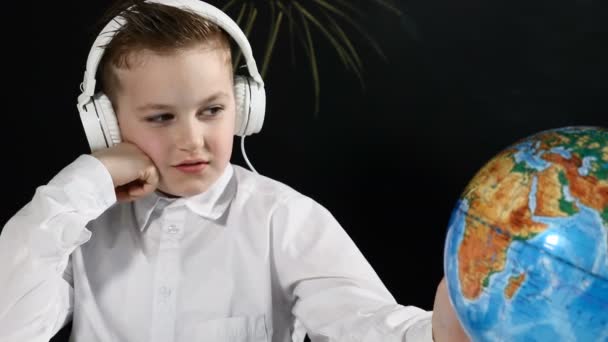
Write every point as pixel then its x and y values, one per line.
pixel 210 204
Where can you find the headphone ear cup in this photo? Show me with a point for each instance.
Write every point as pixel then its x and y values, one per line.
pixel 257 107
pixel 242 98
pixel 250 106
pixel 107 116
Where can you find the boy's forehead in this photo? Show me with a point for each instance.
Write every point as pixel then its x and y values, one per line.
pixel 137 57
pixel 143 63
pixel 182 77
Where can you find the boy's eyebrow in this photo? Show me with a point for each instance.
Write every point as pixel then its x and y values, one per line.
pixel 152 106
pixel 215 96
pixel 160 106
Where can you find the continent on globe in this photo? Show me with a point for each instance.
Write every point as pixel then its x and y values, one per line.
pixel 514 284
pixel 526 254
pixel 500 193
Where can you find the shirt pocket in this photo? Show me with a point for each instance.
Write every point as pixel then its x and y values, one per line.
pixel 233 329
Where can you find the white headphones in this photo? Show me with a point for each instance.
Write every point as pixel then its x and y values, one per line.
pixel 96 111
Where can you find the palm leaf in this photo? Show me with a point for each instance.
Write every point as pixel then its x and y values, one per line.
pixel 272 37
pixel 292 32
pixel 388 6
pixel 248 26
pixel 351 21
pixel 347 4
pixel 239 19
pixel 313 63
pixel 341 51
pixel 356 63
pixel 228 5
pixel 326 17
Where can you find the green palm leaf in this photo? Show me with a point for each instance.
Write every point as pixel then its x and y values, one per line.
pixel 306 20
pixel 310 48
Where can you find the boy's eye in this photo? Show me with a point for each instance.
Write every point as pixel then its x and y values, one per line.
pixel 159 118
pixel 212 111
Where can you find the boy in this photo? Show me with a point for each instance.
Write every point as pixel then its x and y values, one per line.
pixel 160 238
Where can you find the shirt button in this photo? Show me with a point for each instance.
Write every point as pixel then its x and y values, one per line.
pixel 172 229
pixel 165 292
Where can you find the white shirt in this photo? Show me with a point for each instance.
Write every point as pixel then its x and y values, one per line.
pixel 248 260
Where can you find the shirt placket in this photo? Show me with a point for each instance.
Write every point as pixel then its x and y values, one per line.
pixel 167 274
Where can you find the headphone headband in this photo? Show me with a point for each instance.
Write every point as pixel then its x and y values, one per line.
pixel 203 9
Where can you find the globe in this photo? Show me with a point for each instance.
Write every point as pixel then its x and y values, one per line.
pixel 526 252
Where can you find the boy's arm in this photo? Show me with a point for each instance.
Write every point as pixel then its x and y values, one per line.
pixel 335 292
pixel 35 247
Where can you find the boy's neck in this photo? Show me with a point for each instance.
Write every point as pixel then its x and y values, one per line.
pixel 165 194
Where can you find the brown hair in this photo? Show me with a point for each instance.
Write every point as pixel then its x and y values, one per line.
pixel 152 26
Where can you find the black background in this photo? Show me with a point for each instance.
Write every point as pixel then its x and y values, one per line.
pixel 462 81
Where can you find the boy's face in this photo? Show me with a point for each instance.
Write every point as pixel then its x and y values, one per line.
pixel 177 107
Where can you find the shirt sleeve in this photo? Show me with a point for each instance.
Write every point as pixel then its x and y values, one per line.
pixel 336 294
pixel 35 246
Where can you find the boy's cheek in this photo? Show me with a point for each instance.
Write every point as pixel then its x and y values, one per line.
pixel 150 143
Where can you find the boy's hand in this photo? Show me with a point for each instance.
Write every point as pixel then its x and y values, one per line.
pixel 446 326
pixel 133 173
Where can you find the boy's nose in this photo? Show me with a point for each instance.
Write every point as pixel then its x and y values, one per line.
pixel 190 138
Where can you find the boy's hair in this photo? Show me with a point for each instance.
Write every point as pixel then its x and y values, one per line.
pixel 160 28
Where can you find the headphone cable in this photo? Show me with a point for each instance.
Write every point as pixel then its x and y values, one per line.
pixel 245 155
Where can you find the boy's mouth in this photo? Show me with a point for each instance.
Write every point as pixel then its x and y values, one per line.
pixel 191 162
pixel 192 166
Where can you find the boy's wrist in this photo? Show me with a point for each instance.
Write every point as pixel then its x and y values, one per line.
pixel 97 180
pixel 106 164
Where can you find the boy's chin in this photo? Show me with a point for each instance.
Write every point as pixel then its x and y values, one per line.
pixel 185 190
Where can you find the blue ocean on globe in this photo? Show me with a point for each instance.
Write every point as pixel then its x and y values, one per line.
pixel 526 253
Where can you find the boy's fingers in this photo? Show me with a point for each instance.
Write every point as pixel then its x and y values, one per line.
pixel 446 326
pixel 138 188
pixel 136 191
pixel 154 177
pixel 130 192
pixel 122 195
pixel 142 190
pixel 149 175
pixel 151 182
